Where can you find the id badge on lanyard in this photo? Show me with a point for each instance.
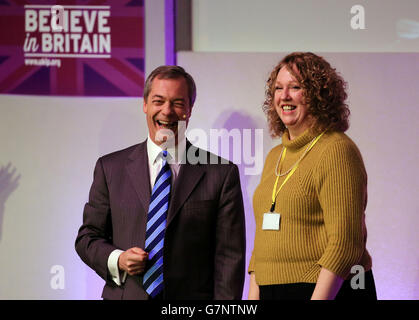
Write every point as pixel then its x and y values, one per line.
pixel 271 220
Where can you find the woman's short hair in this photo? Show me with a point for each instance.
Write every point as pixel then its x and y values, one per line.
pixel 171 72
pixel 324 92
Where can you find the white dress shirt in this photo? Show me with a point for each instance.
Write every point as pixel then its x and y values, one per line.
pixel 155 162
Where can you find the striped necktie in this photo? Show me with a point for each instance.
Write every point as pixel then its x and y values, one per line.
pixel 156 224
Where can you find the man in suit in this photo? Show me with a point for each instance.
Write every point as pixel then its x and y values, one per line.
pixel 201 251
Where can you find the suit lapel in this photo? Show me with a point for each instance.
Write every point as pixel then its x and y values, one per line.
pixel 138 171
pixel 189 176
pixel 137 168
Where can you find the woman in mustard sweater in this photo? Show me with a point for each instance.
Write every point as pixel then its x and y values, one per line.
pixel 310 240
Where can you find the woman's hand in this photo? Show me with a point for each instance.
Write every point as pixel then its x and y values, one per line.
pixel 253 288
pixel 327 286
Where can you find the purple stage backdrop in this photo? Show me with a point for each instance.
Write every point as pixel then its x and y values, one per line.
pixel 81 48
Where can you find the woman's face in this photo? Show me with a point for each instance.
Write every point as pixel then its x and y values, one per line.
pixel 289 103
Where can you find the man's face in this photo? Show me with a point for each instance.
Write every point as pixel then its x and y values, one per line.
pixel 167 103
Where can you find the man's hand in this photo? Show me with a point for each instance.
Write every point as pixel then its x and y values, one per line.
pixel 133 261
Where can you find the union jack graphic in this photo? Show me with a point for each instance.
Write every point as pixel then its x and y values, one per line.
pixel 121 73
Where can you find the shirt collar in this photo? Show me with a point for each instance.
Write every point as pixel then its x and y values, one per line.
pixel 154 150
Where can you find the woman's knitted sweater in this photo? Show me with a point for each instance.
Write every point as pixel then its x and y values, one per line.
pixel 322 209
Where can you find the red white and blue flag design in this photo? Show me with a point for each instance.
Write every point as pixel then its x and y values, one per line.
pixel 72 48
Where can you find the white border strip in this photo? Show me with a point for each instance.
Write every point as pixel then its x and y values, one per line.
pixel 67 55
pixel 30 6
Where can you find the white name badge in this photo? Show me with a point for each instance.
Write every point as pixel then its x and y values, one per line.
pixel 271 221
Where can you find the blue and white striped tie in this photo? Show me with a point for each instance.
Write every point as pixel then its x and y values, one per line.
pixel 156 224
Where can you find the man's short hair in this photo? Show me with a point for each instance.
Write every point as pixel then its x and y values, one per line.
pixel 171 72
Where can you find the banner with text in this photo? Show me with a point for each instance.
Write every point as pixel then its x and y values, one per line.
pixel 72 48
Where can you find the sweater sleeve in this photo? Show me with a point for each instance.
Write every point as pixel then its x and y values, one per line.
pixel 270 160
pixel 342 189
pixel 251 264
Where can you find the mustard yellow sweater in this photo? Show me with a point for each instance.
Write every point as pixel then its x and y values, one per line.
pixel 322 210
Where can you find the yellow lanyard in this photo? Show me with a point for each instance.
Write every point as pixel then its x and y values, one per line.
pixel 275 193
